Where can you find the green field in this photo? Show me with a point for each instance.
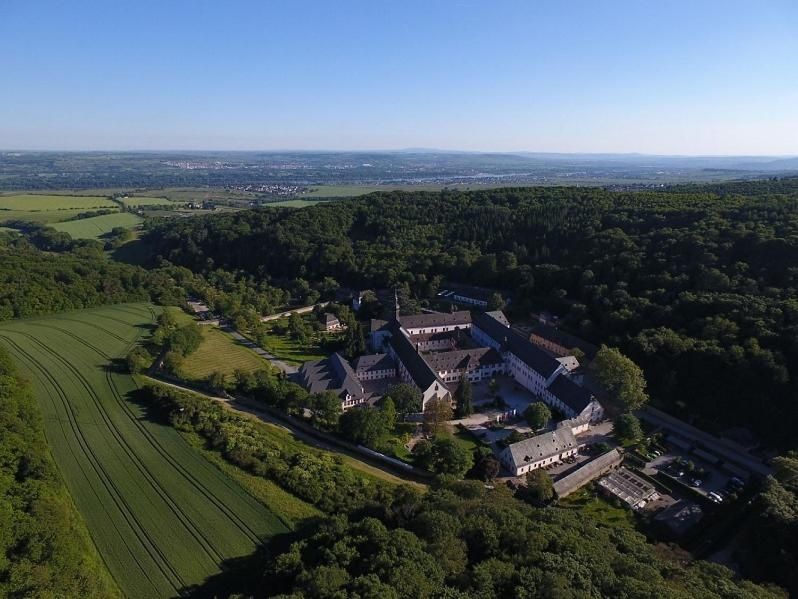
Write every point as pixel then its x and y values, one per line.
pixel 219 352
pixel 97 226
pixel 162 516
pixel 136 201
pixel 48 208
pixel 297 203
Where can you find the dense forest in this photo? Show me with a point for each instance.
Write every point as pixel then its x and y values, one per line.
pixel 45 550
pixel 38 277
pixel 463 540
pixel 698 285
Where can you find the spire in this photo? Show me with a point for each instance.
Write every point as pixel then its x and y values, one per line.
pixel 396 303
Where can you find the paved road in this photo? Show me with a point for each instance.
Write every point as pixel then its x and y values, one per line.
pixel 289 369
pixel 302 310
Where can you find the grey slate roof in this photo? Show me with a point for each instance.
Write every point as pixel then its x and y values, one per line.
pixel 374 362
pixel 510 340
pixel 436 319
pixel 572 395
pixel 331 374
pixel 543 446
pixel 463 358
pixel 421 373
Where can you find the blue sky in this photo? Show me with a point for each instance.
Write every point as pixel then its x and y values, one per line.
pixel 667 77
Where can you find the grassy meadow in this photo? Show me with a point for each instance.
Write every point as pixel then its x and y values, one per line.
pixel 97 226
pixel 161 514
pixel 219 352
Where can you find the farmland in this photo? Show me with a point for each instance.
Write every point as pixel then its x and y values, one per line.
pixel 136 201
pixel 49 208
pixel 162 516
pixel 97 226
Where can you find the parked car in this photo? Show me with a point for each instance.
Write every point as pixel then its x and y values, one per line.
pixel 716 497
pixel 696 482
pixel 735 482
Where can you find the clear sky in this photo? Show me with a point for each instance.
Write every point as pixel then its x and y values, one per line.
pixel 668 77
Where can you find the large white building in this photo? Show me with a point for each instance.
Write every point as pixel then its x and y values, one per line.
pixel 435 351
pixel 542 450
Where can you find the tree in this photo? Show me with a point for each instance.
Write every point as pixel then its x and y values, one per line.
pixel 326 408
pixel 487 468
pixel 496 301
pixel 621 377
pixel 389 412
pixel 437 413
pixel 217 381
pixel 406 398
pixel 172 361
pixel 493 386
pixel 443 455
pixel 539 487
pixel 185 340
pixel 138 360
pixel 627 428
pixel 365 426
pixel 537 415
pixel 513 437
pixel 463 398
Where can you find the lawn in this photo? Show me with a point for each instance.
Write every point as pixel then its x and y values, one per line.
pixel 219 352
pixel 97 226
pixel 283 347
pixel 162 515
pixel 466 440
pixel 598 509
pixel 48 208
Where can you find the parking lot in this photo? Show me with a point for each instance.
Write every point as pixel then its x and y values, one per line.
pixel 705 478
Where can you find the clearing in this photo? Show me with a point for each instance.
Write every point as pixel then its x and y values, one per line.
pixel 162 516
pixel 97 226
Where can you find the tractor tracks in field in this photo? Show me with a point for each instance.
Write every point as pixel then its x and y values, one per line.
pixel 202 541
pixel 169 574
pixel 212 498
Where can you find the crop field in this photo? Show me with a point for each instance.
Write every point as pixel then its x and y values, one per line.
pixel 48 208
pixel 97 226
pixel 162 516
pixel 219 352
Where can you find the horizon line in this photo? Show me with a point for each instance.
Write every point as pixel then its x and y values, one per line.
pixel 389 151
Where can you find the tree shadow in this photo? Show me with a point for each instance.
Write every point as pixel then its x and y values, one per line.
pixel 244 576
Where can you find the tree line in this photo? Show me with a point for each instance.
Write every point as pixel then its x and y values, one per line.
pixel 698 286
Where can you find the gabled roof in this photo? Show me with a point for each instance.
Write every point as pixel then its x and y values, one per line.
pixel 572 395
pixel 330 318
pixel 543 446
pixel 436 319
pixel 510 340
pixel 421 373
pixel 374 362
pixel 564 339
pixel 463 359
pixel 331 374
